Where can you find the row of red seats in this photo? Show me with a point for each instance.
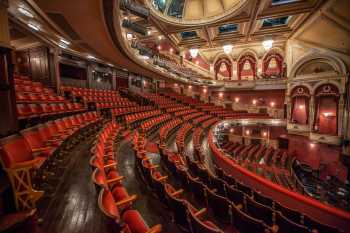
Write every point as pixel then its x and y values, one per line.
pixel 181 136
pixel 135 117
pixel 185 215
pixel 88 92
pixel 149 125
pixel 114 200
pixel 261 213
pixel 115 104
pixel 201 119
pixel 31 110
pixel 35 148
pixel 177 108
pixel 192 116
pixel 185 112
pixel 116 112
pixel 167 128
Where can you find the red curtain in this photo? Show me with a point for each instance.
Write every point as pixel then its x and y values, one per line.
pixel 326 115
pixel 300 110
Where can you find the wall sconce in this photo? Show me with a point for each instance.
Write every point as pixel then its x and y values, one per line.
pixel 189 87
pixel 254 102
pixel 171 50
pixel 301 106
pixel 312 145
pixel 175 84
pixel 221 94
pixel 236 99
pixel 232 130
pixel 328 114
pixel 272 104
pixel 205 90
pixel 264 134
pixel 247 132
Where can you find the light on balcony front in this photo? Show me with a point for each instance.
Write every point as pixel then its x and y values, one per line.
pixel 64 41
pixel 194 52
pixel 25 12
pixel 267 44
pixel 227 48
pixel 34 26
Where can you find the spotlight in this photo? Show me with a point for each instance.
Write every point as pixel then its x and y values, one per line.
pixel 34 26
pixel 25 12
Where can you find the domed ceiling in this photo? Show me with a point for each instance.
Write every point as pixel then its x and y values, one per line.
pixel 187 12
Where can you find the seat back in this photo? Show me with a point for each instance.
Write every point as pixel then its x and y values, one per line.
pixel 197 187
pixel 177 205
pixel 258 197
pixel 234 195
pixel 14 149
pixel 245 223
pixel 258 210
pixel 219 205
pixel 292 215
pixel 321 228
pixel 286 225
pixel 108 207
pixel 198 226
pixel 219 185
pixel 33 137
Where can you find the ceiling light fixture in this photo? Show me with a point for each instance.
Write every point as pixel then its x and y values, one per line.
pixel 194 52
pixel 227 48
pixel 129 36
pixel 34 26
pixel 267 44
pixel 25 12
pixel 64 41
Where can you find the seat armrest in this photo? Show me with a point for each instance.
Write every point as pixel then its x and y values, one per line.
pixel 126 200
pixel 200 212
pixel 119 178
pixel 27 164
pixel 155 229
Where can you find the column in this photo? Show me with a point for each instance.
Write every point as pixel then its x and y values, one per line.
pixel 340 115
pixel 8 116
pixel 312 112
pixel 56 79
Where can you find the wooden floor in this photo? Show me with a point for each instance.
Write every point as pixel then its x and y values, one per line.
pixel 73 207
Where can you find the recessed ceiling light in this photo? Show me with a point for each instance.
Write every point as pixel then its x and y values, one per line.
pixel 34 26
pixel 25 12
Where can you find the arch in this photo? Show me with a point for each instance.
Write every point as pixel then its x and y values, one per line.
pixel 336 63
pixel 278 68
pixel 306 85
pixel 325 82
pixel 223 66
pixel 250 52
pixel 221 55
pixel 250 60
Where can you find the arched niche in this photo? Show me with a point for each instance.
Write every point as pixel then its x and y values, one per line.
pixel 223 67
pixel 300 99
pixel 318 65
pixel 273 65
pixel 247 67
pixel 326 109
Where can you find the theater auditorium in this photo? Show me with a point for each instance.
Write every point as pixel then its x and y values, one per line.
pixel 174 116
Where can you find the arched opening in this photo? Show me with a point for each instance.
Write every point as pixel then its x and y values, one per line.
pixel 273 66
pixel 223 68
pixel 326 109
pixel 246 67
pixel 300 105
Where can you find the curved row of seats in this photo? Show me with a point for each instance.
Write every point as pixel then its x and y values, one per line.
pixel 181 135
pixel 135 118
pixel 36 154
pixel 119 112
pixel 113 199
pixel 36 101
pixel 149 126
pixel 184 112
pixel 185 215
pixel 178 108
pixel 167 129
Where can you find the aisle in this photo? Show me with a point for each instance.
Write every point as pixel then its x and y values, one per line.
pixel 73 208
pixel 152 210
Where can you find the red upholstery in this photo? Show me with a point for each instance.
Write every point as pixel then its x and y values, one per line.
pixel 135 222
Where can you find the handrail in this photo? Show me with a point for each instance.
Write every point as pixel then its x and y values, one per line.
pixel 326 214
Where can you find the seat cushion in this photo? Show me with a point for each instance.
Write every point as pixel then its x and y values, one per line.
pixel 135 222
